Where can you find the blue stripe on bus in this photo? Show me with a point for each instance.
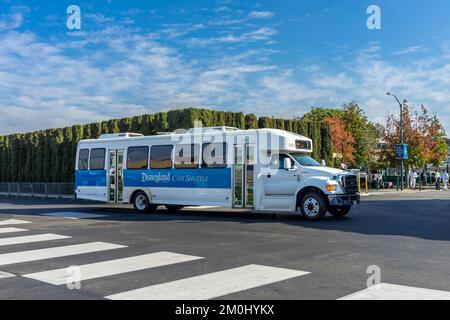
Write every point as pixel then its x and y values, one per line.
pixel 179 178
pixel 90 178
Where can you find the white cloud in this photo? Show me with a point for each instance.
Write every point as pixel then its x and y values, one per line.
pixel 261 14
pixel 414 49
pixel 14 19
pixel 260 34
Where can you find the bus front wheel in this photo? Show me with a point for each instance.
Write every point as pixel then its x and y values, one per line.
pixel 313 206
pixel 142 204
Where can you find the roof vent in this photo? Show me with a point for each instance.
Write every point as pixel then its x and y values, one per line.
pixel 218 128
pixel 120 135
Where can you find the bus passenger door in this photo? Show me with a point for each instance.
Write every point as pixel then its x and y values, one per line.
pixel 115 176
pixel 243 176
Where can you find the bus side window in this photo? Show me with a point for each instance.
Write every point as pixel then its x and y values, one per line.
pixel 83 159
pixel 97 159
pixel 214 155
pixel 187 156
pixel 161 157
pixel 137 158
pixel 277 161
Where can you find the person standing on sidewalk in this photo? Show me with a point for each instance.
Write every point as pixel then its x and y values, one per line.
pixel 438 180
pixel 414 177
pixel 444 178
pixel 424 178
pixel 409 179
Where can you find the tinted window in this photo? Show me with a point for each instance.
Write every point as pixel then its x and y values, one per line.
pixel 187 156
pixel 83 159
pixel 161 157
pixel 277 161
pixel 137 158
pixel 214 155
pixel 305 160
pixel 97 159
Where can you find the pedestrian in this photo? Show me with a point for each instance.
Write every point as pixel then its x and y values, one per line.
pixel 444 178
pixel 409 179
pixel 423 177
pixel 414 176
pixel 438 180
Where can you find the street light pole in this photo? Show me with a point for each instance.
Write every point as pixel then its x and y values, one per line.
pixel 402 168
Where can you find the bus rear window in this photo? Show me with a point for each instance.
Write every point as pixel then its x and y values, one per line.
pixel 83 159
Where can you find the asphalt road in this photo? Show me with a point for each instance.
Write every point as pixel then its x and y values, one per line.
pixel 406 236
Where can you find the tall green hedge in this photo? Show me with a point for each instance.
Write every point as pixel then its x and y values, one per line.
pixel 49 155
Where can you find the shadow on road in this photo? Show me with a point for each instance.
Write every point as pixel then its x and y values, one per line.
pixel 426 219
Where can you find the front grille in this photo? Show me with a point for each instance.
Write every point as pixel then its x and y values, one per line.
pixel 350 184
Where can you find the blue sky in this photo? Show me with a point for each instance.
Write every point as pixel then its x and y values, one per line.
pixel 276 58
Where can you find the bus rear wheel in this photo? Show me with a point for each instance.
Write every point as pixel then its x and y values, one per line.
pixel 339 212
pixel 142 204
pixel 313 206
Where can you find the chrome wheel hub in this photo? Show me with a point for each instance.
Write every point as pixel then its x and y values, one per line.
pixel 311 207
pixel 141 202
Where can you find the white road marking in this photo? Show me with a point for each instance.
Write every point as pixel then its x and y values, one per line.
pixel 113 267
pixel 4 275
pixel 12 221
pixel 48 253
pixel 387 291
pixel 74 215
pixel 212 285
pixel 33 238
pixel 9 230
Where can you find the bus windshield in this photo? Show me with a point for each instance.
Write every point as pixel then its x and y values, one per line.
pixel 305 160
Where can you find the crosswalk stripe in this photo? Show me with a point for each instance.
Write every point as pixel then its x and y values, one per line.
pixel 73 215
pixel 387 291
pixel 13 221
pixel 212 285
pixel 4 275
pixel 48 253
pixel 33 238
pixel 113 267
pixel 9 230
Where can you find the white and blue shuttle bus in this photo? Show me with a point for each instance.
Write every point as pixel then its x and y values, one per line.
pixel 262 170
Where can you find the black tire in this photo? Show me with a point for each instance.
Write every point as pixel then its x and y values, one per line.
pixel 173 208
pixel 339 211
pixel 313 206
pixel 142 204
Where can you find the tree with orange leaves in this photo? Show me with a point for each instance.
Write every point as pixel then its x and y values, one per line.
pixel 343 140
pixel 423 134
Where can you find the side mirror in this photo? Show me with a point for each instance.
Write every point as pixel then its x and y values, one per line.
pixel 287 163
pixel 344 166
pixel 323 163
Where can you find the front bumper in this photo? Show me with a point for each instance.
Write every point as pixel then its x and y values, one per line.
pixel 343 199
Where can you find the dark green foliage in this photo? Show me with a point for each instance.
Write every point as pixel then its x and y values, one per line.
pixel 49 155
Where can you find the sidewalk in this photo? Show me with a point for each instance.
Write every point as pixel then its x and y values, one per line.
pixel 374 192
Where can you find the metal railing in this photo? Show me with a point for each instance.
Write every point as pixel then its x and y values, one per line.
pixel 37 189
